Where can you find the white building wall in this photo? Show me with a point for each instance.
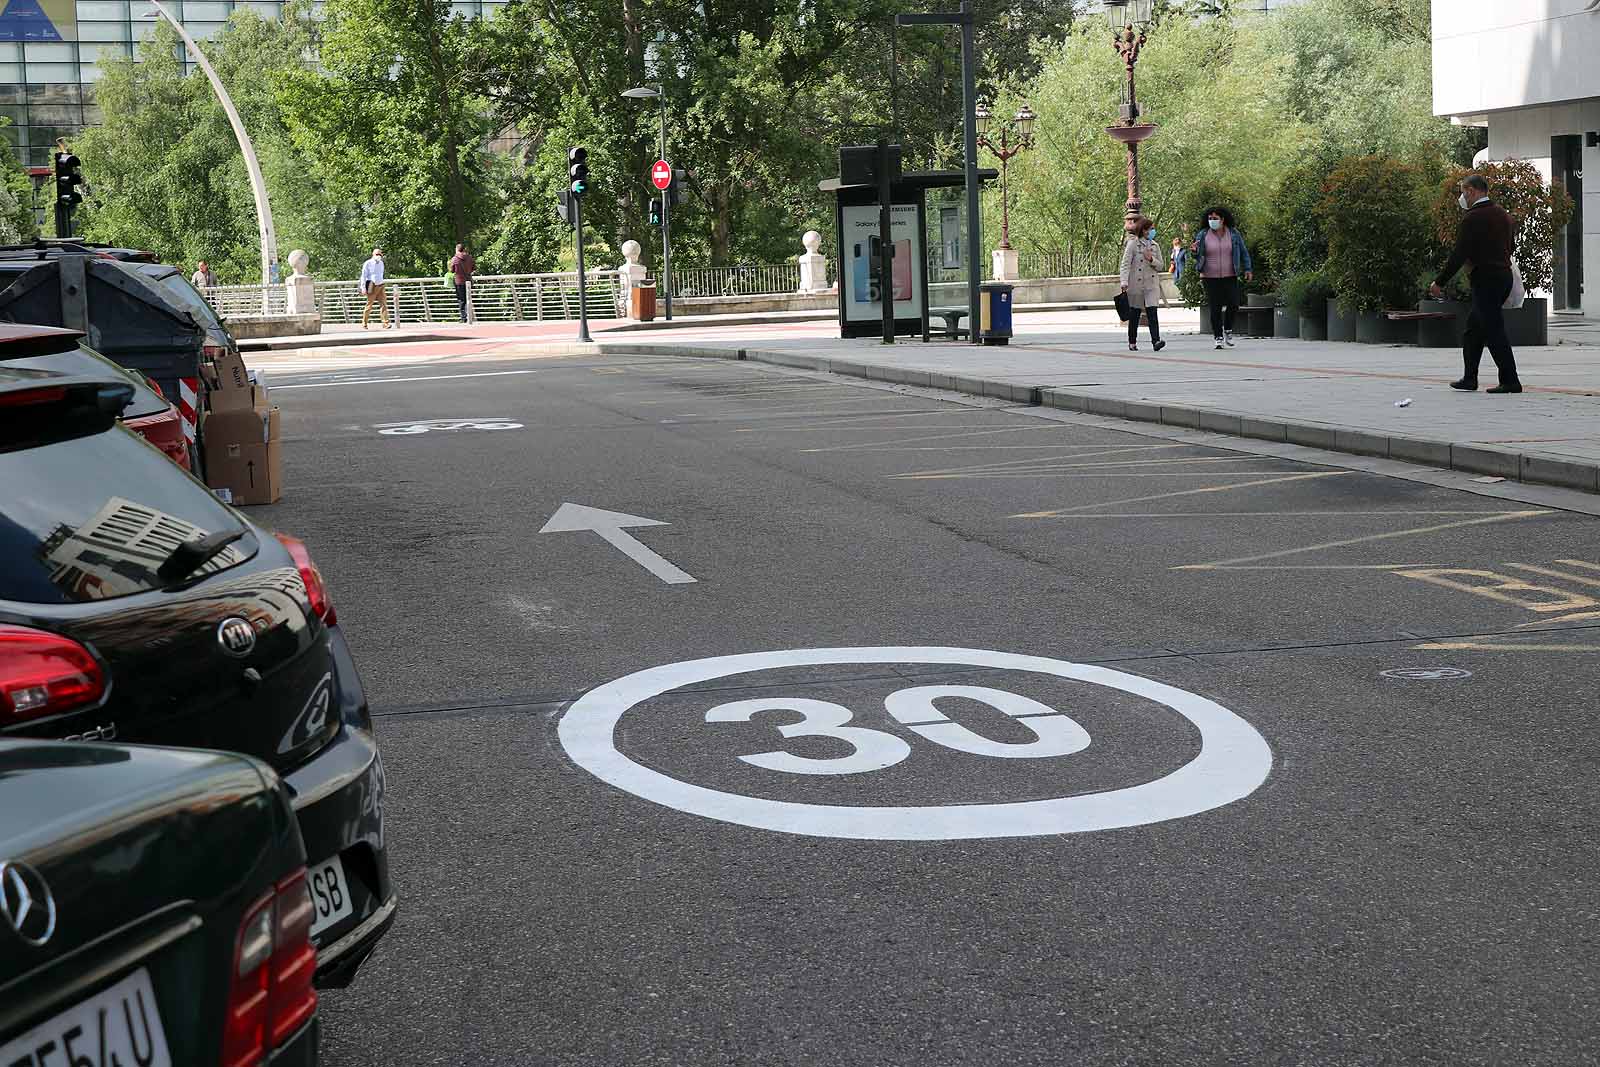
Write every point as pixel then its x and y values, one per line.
pixel 1529 70
pixel 1490 55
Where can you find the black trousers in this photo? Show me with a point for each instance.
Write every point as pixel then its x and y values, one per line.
pixel 1223 296
pixel 1133 324
pixel 1486 327
pixel 461 299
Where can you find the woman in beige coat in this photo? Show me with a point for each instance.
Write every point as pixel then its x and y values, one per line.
pixel 1141 281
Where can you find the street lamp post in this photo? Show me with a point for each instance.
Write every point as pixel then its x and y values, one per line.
pixel 258 184
pixel 660 93
pixel 1128 20
pixel 1011 137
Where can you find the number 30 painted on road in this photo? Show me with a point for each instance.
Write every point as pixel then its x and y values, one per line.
pixel 1055 734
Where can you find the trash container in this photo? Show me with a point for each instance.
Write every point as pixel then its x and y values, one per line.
pixel 642 304
pixel 994 313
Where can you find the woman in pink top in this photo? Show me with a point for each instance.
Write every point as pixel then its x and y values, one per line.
pixel 1221 257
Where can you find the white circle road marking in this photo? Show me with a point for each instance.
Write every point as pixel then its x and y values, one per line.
pixel 1232 763
pixel 1425 674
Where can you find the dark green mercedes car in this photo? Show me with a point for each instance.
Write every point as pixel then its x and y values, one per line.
pixel 153 910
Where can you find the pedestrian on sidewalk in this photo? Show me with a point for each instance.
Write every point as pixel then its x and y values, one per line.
pixel 372 285
pixel 202 278
pixel 462 267
pixel 1180 259
pixel 1141 269
pixel 1221 257
pixel 1485 243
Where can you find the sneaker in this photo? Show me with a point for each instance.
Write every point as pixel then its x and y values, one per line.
pixel 1219 344
pixel 1227 338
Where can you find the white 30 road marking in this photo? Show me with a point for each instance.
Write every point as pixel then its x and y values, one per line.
pixel 1233 760
pixel 405 429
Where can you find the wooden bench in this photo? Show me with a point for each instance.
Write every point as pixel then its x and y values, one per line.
pixel 952 320
pixel 1419 316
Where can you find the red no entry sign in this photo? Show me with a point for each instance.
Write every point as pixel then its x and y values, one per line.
pixel 661 174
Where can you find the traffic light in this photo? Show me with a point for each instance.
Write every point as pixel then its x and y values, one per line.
pixel 578 170
pixel 655 211
pixel 564 205
pixel 68 179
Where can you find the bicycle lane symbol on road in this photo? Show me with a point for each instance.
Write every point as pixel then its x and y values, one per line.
pixel 1233 760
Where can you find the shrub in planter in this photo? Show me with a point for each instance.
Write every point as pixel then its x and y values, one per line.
pixel 1307 293
pixel 1379 236
pixel 1293 239
pixel 1538 212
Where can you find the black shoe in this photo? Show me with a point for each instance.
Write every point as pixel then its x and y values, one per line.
pixel 1133 346
pixel 1159 345
pixel 1466 385
pixel 1514 387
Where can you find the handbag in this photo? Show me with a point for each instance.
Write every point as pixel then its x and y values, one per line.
pixel 1121 300
pixel 1518 293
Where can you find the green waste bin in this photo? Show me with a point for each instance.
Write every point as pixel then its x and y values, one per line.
pixel 994 313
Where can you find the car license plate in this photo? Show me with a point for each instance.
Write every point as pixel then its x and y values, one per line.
pixel 330 895
pixel 117 1025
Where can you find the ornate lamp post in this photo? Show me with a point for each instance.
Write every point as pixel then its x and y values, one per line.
pixel 1128 20
pixel 1011 137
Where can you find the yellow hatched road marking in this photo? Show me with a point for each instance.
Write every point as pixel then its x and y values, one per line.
pixel 1184 492
pixel 1226 563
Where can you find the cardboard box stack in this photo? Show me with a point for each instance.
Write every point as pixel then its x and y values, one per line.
pixel 243 451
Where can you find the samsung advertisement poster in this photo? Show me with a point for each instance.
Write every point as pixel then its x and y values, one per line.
pixel 860 264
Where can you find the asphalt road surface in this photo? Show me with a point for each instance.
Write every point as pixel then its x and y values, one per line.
pixel 933 731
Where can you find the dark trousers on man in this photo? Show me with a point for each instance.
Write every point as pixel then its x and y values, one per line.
pixel 1486 327
pixel 1223 296
pixel 461 299
pixel 1133 324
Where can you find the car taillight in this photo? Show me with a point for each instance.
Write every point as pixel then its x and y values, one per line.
pixel 22 398
pixel 44 674
pixel 316 588
pixel 271 993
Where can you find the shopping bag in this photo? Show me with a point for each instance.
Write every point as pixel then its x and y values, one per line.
pixel 1518 293
pixel 1121 300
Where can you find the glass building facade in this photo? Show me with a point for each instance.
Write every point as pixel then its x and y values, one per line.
pixel 49 50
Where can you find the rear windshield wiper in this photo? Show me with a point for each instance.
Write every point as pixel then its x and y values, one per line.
pixel 192 555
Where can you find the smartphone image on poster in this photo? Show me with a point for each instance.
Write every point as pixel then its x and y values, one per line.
pixel 902 269
pixel 860 276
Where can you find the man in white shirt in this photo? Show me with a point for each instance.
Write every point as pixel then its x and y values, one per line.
pixel 202 278
pixel 372 285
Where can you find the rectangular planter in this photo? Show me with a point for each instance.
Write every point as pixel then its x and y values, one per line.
pixel 1373 329
pixel 1442 333
pixel 1341 322
pixel 1285 323
pixel 1314 327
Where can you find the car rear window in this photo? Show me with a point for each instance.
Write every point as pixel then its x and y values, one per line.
pixel 93 518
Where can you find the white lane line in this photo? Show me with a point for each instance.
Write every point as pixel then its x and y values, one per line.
pixel 419 378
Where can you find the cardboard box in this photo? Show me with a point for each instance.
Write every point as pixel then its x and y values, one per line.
pixel 229 384
pixel 244 455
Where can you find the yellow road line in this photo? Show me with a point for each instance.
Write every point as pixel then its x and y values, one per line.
pixel 1483 646
pixel 1184 492
pixel 1506 516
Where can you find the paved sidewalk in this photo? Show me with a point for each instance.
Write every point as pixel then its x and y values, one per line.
pixel 1343 397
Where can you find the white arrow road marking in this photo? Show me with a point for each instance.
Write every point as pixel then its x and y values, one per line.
pixel 609 525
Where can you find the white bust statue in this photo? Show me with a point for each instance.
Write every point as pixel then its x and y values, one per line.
pixel 301 295
pixel 813 264
pixel 631 273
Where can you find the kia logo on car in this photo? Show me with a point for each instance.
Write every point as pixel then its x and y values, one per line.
pixel 26 902
pixel 236 636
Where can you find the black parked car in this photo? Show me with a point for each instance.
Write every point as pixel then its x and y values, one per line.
pixel 153 905
pixel 170 618
pixel 46 247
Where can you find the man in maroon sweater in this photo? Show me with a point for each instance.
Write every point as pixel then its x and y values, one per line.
pixel 1485 243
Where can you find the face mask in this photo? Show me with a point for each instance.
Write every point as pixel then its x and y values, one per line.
pixel 1215 224
pixel 1462 200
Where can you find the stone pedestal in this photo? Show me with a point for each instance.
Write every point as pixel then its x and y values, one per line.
pixel 301 295
pixel 813 265
pixel 630 274
pixel 1005 265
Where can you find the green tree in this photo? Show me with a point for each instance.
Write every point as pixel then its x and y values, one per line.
pixel 165 170
pixel 393 126
pixel 1379 236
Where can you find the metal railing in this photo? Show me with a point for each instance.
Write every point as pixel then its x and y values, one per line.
pixel 495 298
pixel 749 280
pixel 1092 263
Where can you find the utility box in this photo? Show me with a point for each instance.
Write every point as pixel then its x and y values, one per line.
pixel 994 313
pixel 642 302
